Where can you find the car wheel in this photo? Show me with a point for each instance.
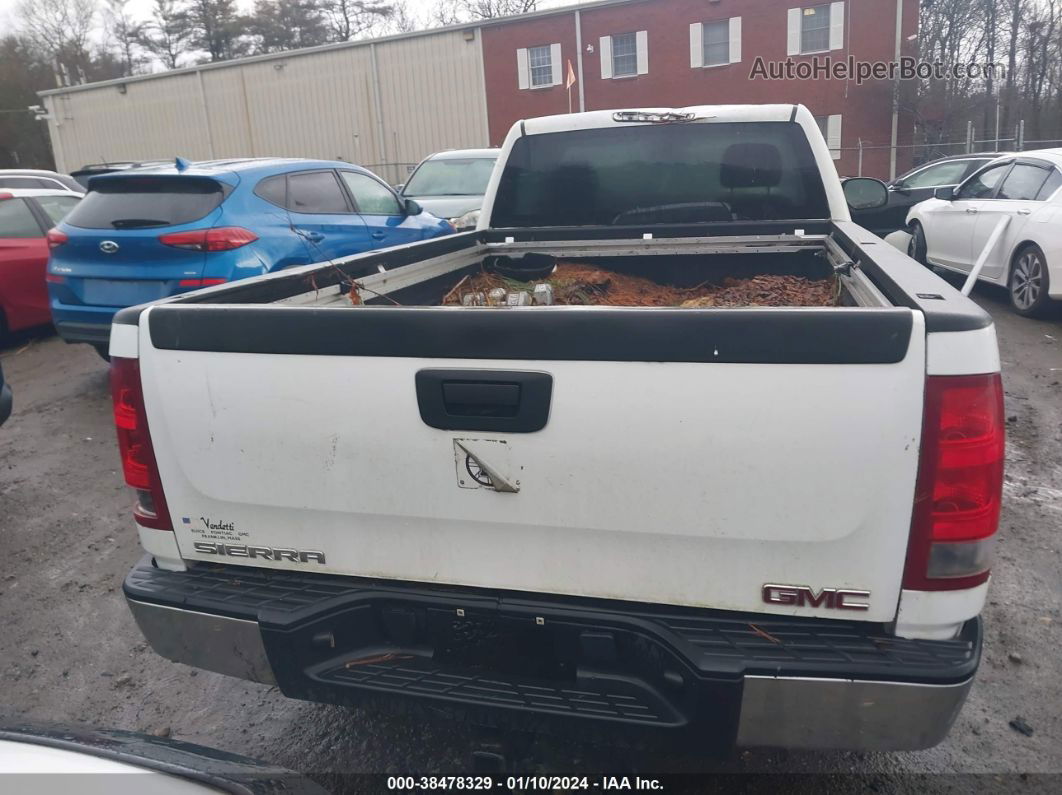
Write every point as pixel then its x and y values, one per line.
pixel 916 246
pixel 103 351
pixel 1029 283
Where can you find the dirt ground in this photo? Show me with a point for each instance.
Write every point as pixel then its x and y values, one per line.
pixel 69 650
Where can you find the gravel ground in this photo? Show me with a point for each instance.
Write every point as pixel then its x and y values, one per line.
pixel 71 652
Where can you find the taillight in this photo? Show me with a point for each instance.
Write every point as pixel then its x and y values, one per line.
pixel 56 238
pixel 960 483
pixel 134 445
pixel 200 282
pixel 223 238
pixel 54 278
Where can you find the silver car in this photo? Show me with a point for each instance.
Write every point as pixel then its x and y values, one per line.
pixel 451 184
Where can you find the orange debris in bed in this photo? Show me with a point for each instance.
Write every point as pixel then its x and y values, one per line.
pixel 577 284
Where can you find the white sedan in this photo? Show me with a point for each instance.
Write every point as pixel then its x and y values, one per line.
pixel 952 229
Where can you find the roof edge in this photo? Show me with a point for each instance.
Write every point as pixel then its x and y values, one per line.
pixel 340 45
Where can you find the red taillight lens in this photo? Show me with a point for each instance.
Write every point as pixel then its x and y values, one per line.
pixel 960 483
pixel 200 282
pixel 134 444
pixel 56 238
pixel 223 238
pixel 54 278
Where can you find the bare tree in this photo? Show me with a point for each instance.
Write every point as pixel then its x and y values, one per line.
pixel 167 35
pixel 61 30
pixel 349 19
pixel 454 12
pixel 126 33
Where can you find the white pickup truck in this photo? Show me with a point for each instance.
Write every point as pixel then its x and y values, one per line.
pixel 752 526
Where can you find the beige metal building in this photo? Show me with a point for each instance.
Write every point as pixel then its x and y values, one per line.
pixel 384 104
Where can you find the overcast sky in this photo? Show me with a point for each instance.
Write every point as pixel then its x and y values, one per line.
pixel 142 8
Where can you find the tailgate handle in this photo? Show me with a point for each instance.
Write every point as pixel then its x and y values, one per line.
pixel 485 399
pixel 514 401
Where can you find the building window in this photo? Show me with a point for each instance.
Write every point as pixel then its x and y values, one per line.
pixel 541 63
pixel 830 127
pixel 716 43
pixel 816 28
pixel 624 55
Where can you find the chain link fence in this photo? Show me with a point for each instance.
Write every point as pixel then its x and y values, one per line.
pixel 919 153
pixel 391 173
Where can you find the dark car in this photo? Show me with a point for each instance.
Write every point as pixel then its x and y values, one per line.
pixel 5 399
pixel 916 186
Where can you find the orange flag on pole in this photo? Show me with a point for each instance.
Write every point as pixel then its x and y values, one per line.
pixel 569 81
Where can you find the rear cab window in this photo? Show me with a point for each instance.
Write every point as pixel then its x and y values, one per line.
pixel 663 173
pixel 147 201
pixel 17 220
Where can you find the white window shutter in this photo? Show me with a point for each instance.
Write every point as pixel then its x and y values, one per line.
pixel 641 39
pixel 735 39
pixel 604 47
pixel 696 45
pixel 555 63
pixel 837 26
pixel 793 47
pixel 522 77
pixel 833 135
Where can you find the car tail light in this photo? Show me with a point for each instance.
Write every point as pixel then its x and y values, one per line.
pixel 200 282
pixel 223 238
pixel 960 483
pixel 134 445
pixel 56 238
pixel 5 195
pixel 54 278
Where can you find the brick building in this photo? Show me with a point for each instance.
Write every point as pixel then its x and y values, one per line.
pixel 386 103
pixel 636 53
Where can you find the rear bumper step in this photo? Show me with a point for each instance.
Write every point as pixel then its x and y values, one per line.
pixel 712 678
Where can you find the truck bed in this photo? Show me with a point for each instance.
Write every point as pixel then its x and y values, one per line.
pixel 369 465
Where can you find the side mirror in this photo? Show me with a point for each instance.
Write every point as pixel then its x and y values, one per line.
pixel 865 193
pixel 899 187
pixel 947 193
pixel 412 208
pixel 399 187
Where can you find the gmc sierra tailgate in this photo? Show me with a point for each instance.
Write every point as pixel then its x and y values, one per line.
pixel 692 459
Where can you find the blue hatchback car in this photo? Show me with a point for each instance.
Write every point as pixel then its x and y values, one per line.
pixel 143 234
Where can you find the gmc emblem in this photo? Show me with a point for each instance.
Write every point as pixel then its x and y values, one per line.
pixel 803 596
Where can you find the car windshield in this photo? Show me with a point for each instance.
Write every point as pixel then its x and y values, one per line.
pixel 451 177
pixel 132 202
pixel 666 173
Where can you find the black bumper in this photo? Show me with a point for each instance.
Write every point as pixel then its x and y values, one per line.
pixel 708 677
pixel 93 333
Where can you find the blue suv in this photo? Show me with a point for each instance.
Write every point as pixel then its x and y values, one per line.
pixel 143 234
